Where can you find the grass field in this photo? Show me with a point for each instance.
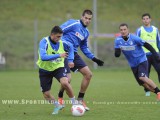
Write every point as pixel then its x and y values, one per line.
pixel 112 95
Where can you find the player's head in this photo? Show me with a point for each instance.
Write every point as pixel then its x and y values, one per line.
pixel 56 33
pixel 124 29
pixel 86 17
pixel 146 19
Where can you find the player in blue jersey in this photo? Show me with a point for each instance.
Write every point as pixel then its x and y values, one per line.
pixel 131 46
pixel 52 52
pixel 76 33
pixel 150 34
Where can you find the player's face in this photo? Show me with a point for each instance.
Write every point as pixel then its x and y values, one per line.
pixel 56 37
pixel 146 20
pixel 124 31
pixel 86 19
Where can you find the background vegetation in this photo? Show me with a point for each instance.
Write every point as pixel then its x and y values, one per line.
pixel 19 17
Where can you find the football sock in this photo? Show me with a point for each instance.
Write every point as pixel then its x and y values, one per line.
pixel 146 90
pixel 56 103
pixel 60 94
pixel 156 90
pixel 81 96
pixel 73 101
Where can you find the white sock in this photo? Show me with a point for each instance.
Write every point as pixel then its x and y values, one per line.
pixel 56 103
pixel 73 101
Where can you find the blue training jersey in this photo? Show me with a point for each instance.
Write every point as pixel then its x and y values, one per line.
pixel 43 46
pixel 150 29
pixel 132 49
pixel 77 34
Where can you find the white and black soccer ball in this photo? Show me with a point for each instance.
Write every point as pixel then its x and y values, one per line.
pixel 77 110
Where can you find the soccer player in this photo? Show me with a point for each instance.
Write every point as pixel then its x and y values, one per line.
pixel 76 33
pixel 150 34
pixel 52 52
pixel 131 46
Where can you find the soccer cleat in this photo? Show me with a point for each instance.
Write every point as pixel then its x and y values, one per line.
pixel 84 105
pixel 56 109
pixel 147 93
pixel 158 96
pixel 61 102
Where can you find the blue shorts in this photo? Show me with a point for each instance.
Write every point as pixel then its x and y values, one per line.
pixel 78 63
pixel 47 76
pixel 140 71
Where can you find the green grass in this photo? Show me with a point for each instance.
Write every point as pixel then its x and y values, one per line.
pixel 112 95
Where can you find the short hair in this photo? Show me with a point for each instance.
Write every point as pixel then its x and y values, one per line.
pixel 56 29
pixel 87 11
pixel 123 24
pixel 146 14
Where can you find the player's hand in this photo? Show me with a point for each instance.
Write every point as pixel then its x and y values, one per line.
pixel 71 65
pixel 98 61
pixel 64 55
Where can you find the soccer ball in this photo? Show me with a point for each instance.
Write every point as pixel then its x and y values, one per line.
pixel 77 110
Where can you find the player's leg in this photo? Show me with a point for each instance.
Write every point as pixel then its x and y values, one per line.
pixel 87 75
pixel 148 81
pixel 156 66
pixel 152 86
pixel 136 75
pixel 146 86
pixel 61 91
pixel 61 76
pixel 46 82
pixel 48 96
pixel 141 83
pixel 149 58
pixel 65 84
pixel 80 65
pixel 142 74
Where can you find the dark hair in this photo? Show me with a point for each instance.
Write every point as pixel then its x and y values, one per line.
pixel 123 24
pixel 56 29
pixel 146 14
pixel 87 11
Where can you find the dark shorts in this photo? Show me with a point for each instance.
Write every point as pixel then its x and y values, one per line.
pixel 47 76
pixel 152 61
pixel 78 63
pixel 140 71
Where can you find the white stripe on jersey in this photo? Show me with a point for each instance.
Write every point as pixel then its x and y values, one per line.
pixel 127 48
pixel 138 32
pixel 71 25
